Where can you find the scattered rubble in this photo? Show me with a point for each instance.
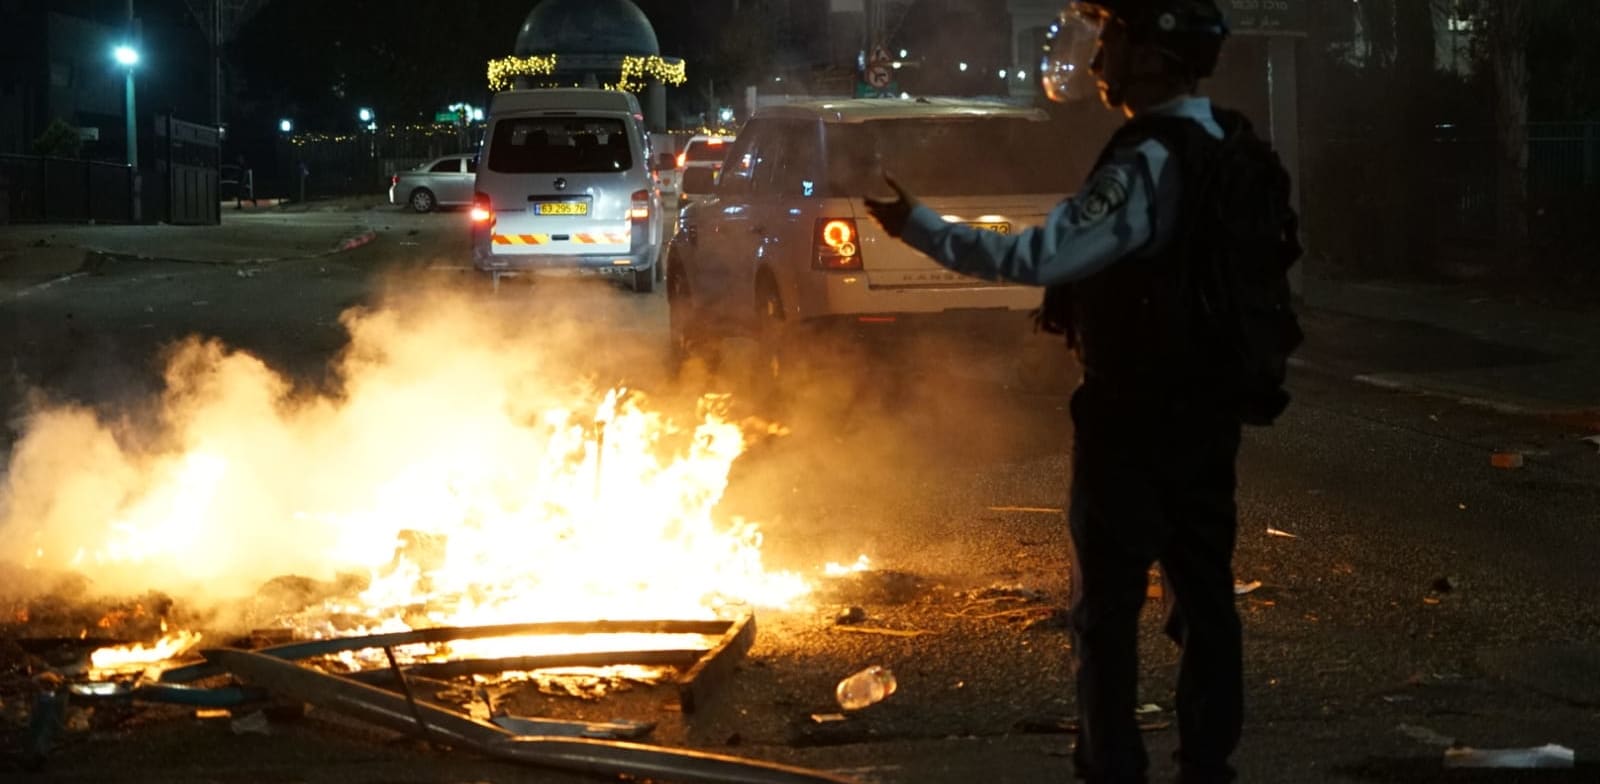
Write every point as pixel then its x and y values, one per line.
pixel 875 586
pixel 48 695
pixel 850 616
pixel 882 632
pixel 440 726
pixel 1549 755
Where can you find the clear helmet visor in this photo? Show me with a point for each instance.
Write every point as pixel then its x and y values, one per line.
pixel 1070 48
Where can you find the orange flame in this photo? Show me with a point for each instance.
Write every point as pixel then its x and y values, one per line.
pixel 457 473
pixel 132 658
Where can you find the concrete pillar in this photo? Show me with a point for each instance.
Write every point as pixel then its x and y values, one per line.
pixel 655 109
pixel 1283 101
pixel 1026 16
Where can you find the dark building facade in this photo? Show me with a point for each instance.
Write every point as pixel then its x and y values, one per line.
pixel 56 63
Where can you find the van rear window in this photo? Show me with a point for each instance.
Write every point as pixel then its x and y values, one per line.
pixel 559 145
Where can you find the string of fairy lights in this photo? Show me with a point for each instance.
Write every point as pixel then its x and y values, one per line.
pixel 638 71
pixel 635 73
pixel 504 71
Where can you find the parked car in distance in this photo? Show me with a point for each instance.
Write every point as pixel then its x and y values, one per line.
pixel 442 182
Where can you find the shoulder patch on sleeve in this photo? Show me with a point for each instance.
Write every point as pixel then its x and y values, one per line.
pixel 1107 193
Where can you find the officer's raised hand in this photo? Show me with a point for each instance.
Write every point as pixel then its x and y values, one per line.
pixel 892 214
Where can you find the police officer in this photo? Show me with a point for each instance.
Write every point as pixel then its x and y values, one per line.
pixel 1154 452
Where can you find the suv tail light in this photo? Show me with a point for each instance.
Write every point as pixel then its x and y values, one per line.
pixel 837 245
pixel 641 207
pixel 482 210
pixel 394 179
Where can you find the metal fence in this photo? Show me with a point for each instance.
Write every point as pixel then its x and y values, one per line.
pixel 351 164
pixel 1563 182
pixel 1347 193
pixel 1562 157
pixel 35 189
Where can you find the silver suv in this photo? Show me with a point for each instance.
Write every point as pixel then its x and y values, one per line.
pixel 783 242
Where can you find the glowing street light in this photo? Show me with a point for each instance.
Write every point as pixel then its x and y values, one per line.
pixel 286 125
pixel 128 57
pixel 365 114
pixel 963 67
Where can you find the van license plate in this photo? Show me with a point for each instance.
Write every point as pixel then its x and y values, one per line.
pixel 563 208
pixel 998 228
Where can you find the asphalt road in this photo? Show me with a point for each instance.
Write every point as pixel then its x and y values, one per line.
pixel 1421 587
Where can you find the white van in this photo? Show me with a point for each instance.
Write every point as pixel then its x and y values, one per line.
pixel 565 183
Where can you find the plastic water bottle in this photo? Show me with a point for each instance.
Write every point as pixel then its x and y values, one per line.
pixel 864 688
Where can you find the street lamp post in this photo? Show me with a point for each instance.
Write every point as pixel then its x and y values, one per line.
pixel 128 57
pixel 369 123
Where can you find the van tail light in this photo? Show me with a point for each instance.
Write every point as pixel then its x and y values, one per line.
pixel 837 245
pixel 482 211
pixel 641 207
pixel 683 159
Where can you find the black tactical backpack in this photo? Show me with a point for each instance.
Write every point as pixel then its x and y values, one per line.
pixel 1241 235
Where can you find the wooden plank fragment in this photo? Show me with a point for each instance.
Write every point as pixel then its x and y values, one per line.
pixel 716 666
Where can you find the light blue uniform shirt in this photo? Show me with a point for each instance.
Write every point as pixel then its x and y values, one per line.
pixel 1127 208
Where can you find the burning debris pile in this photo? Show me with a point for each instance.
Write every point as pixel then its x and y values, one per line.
pixel 458 480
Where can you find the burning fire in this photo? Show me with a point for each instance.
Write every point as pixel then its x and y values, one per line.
pixel 133 658
pixel 458 471
pixel 862 564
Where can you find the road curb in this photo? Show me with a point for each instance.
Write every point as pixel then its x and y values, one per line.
pixel 1573 415
pixel 85 266
pixel 42 285
pixel 343 246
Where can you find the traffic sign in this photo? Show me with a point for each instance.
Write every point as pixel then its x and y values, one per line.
pixel 446 117
pixel 1267 17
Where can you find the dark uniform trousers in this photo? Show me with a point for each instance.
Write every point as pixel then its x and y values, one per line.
pixel 1153 482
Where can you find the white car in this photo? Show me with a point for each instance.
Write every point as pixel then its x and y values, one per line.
pixel 442 182
pixel 703 152
pixel 566 182
pixel 783 243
